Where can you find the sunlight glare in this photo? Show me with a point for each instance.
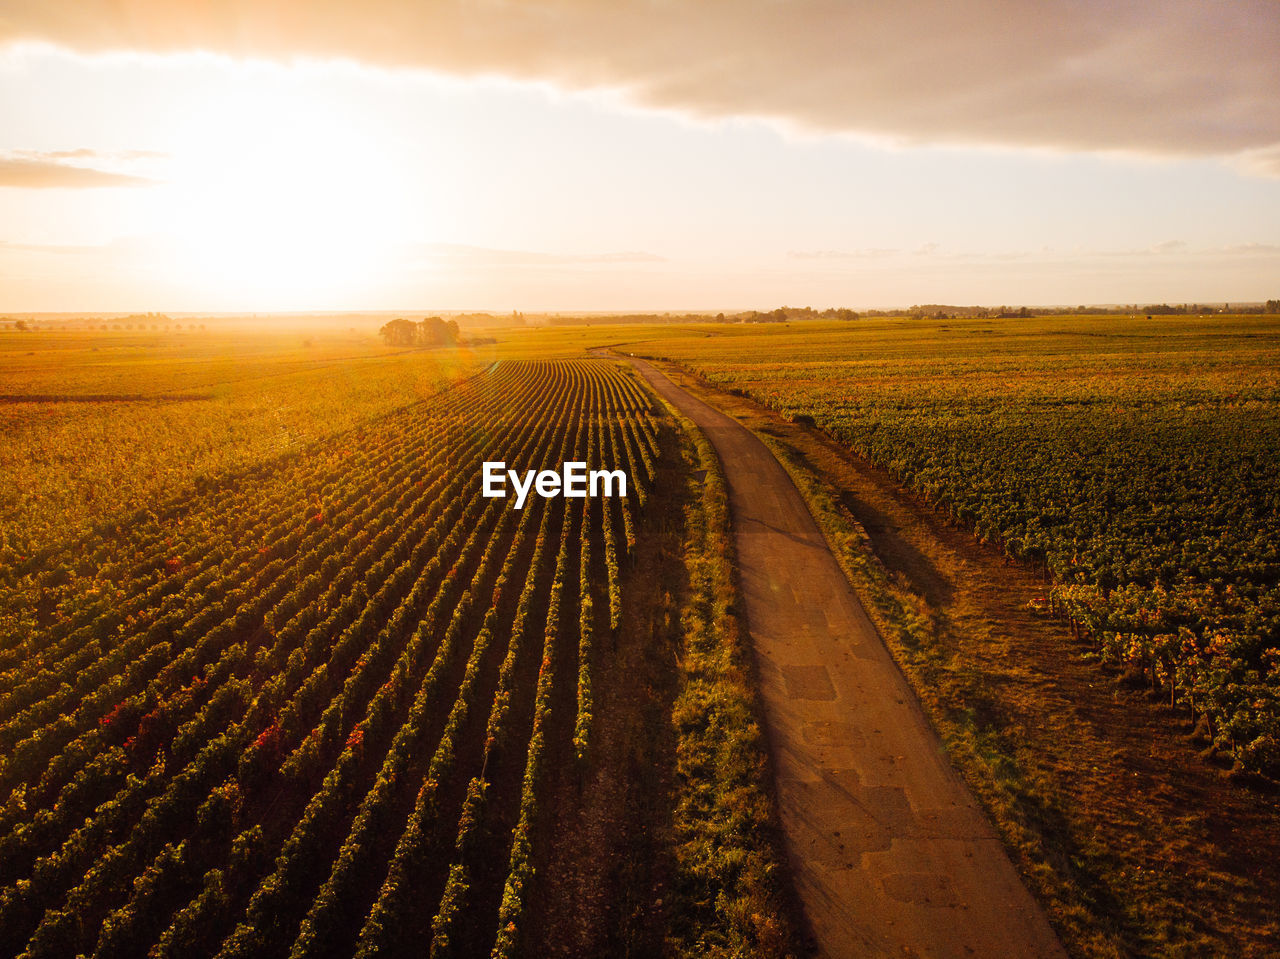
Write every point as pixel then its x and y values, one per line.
pixel 281 199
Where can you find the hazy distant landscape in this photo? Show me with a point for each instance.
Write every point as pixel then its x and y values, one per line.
pixel 353 321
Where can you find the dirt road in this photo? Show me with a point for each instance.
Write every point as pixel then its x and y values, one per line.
pixel 889 852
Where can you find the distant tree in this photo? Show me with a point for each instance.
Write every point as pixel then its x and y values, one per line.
pixel 399 333
pixel 1273 306
pixel 20 324
pixel 433 331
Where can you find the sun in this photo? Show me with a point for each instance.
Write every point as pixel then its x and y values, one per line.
pixel 283 199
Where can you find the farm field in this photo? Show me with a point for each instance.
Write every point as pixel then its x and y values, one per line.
pixel 1135 844
pixel 98 426
pixel 1137 461
pixel 331 702
pixel 275 679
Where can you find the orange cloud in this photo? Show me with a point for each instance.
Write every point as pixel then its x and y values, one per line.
pixel 1159 76
pixel 45 173
pixel 459 254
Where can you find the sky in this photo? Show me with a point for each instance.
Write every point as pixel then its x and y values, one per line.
pixel 566 155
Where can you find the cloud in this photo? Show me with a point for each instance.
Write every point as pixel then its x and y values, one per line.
pixel 1264 161
pixel 1252 249
pixel 1188 255
pixel 118 249
pixel 29 169
pixel 456 254
pixel 625 256
pixel 55 248
pixel 84 153
pixel 868 253
pixel 1186 251
pixel 1180 77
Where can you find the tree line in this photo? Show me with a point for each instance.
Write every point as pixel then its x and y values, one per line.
pixel 433 331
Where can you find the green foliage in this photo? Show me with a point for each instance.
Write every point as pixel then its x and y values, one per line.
pixel 116 428
pixel 1140 468
pixel 728 889
pixel 239 725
